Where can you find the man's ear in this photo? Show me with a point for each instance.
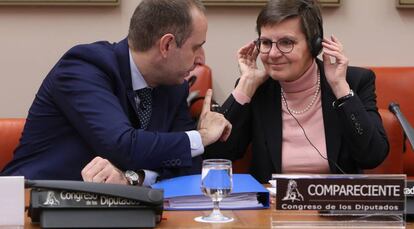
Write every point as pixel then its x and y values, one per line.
pixel 166 43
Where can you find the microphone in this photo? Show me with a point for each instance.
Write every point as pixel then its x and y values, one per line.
pixel 407 128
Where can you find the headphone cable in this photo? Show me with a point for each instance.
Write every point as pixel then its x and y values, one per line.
pixel 307 138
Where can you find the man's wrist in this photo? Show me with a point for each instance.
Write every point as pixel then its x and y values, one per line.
pixel 135 178
pixel 203 134
pixel 196 143
pixel 151 177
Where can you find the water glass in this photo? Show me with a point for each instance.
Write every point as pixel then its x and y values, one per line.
pixel 216 183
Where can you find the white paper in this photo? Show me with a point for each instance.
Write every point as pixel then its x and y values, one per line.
pixel 272 189
pixel 11 201
pixel 234 201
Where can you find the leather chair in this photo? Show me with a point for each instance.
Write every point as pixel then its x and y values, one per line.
pixel 10 133
pixel 393 164
pixel 395 84
pixel 200 81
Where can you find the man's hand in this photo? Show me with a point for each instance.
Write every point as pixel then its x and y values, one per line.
pixel 100 170
pixel 212 126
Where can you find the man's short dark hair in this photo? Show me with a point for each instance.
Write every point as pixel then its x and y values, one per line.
pixel 307 10
pixel 154 18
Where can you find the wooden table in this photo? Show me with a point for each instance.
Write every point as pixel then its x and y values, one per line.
pixel 242 219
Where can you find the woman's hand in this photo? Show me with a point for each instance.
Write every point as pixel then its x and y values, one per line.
pixel 335 71
pixel 251 77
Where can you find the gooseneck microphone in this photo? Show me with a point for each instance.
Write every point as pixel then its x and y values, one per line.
pixel 407 128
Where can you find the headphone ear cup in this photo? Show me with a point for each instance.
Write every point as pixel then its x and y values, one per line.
pixel 316 46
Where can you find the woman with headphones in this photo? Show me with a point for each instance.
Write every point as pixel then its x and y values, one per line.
pixel 301 114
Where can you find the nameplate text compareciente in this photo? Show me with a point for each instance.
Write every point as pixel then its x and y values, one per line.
pixel 343 193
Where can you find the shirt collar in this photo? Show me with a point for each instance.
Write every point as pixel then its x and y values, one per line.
pixel 138 81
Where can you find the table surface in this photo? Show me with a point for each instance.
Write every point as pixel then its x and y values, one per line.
pixel 261 218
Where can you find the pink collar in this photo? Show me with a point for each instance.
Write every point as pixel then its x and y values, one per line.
pixel 306 81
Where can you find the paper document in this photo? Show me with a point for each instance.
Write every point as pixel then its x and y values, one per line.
pixel 234 201
pixel 272 189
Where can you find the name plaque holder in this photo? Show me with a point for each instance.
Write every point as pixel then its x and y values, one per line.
pixel 340 201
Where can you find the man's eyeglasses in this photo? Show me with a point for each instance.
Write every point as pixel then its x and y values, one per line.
pixel 284 45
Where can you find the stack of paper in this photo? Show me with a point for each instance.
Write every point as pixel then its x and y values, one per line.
pixel 234 201
pixel 184 193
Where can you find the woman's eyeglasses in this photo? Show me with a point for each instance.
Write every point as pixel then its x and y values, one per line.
pixel 284 45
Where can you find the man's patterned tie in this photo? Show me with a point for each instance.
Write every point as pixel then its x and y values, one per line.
pixel 144 108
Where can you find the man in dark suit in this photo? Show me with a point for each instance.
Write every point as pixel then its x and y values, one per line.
pixel 124 103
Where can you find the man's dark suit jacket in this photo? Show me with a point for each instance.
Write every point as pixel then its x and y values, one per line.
pixel 85 108
pixel 355 137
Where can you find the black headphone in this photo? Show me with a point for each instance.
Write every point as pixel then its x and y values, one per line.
pixel 316 45
pixel 315 41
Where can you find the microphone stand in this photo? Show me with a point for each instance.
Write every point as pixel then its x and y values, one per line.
pixel 407 128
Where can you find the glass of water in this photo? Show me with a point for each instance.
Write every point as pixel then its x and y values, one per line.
pixel 217 183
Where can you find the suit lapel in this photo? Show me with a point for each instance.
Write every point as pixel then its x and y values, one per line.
pixel 330 120
pixel 132 103
pixel 122 53
pixel 159 106
pixel 270 106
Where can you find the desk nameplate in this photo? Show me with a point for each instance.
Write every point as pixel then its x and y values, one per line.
pixel 353 198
